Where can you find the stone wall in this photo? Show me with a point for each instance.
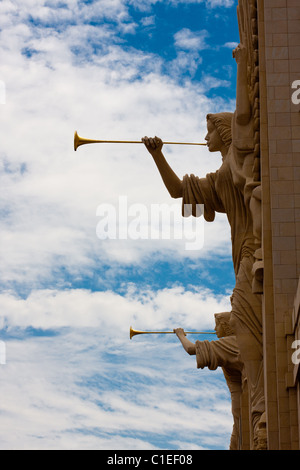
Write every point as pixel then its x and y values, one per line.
pixel 279 59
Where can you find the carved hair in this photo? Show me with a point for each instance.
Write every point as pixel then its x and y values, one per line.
pixel 223 319
pixel 222 122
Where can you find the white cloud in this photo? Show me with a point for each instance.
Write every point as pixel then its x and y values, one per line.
pixel 51 193
pixel 191 40
pixel 146 4
pixel 173 307
pixel 65 393
pixel 220 3
pixel 148 20
pixel 230 45
pixel 88 382
pixel 188 44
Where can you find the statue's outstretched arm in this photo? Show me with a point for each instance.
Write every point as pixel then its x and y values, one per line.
pixel 170 179
pixel 189 347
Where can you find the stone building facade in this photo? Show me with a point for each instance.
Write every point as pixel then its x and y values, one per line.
pixel 278 31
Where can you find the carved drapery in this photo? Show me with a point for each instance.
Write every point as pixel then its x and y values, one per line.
pixel 248 28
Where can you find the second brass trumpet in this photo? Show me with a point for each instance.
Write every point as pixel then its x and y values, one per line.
pixel 133 332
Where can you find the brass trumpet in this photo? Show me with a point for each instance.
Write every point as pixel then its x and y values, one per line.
pixel 82 141
pixel 133 332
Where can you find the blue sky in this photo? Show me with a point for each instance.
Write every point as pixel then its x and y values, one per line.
pixel 111 69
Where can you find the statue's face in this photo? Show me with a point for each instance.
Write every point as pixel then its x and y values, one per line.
pixel 214 141
pixel 219 330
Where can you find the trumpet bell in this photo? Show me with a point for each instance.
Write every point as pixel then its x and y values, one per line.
pixel 76 141
pixel 81 141
pixel 133 332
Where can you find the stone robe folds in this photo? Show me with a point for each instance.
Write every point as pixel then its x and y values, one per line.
pixel 228 190
pixel 225 353
pixel 221 353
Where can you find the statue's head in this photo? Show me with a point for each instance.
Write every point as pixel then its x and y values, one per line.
pixel 219 133
pixel 223 327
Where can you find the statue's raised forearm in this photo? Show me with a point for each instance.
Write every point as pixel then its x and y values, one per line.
pixel 170 179
pixel 189 347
